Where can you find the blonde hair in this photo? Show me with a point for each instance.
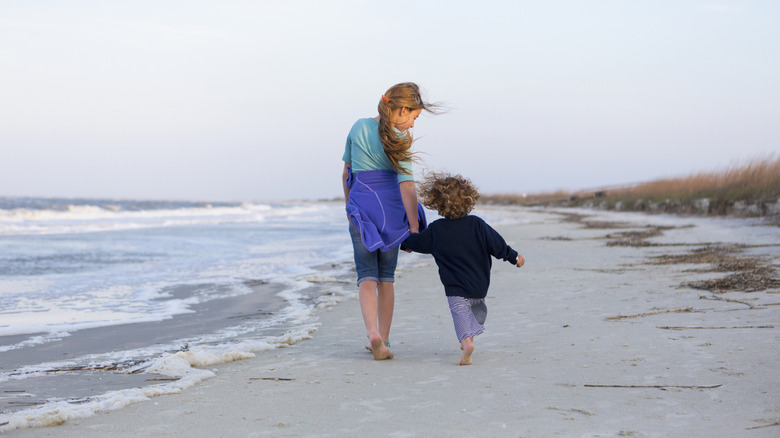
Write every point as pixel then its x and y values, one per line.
pixel 398 147
pixel 452 196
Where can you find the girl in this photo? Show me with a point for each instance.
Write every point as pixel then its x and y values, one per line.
pixel 462 246
pixel 382 203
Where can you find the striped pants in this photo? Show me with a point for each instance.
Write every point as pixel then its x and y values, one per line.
pixel 469 316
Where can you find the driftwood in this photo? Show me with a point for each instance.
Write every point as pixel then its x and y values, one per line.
pixel 654 386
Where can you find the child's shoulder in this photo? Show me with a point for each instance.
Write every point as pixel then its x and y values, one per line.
pixel 476 221
pixel 469 218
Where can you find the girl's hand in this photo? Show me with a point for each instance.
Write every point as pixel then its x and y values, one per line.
pixel 520 261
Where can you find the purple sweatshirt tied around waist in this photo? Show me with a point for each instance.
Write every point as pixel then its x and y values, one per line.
pixel 376 209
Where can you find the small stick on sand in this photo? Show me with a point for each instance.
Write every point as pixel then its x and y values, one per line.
pixel 716 298
pixel 777 423
pixel 284 379
pixel 654 386
pixel 719 328
pixel 638 315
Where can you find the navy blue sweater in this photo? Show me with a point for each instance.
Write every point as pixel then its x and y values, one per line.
pixel 462 249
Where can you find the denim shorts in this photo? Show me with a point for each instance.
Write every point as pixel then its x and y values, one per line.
pixel 377 265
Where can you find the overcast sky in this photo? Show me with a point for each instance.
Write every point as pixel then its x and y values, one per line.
pixel 252 100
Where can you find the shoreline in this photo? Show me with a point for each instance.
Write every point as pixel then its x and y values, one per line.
pixel 586 340
pixel 52 383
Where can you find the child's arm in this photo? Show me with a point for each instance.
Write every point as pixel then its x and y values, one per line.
pixel 419 242
pixel 499 249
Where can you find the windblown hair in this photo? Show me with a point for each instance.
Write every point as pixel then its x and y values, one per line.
pixel 398 147
pixel 452 196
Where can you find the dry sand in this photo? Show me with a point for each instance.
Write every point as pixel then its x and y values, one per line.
pixel 586 340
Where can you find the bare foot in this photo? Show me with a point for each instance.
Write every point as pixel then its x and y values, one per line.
pixel 468 347
pixel 368 347
pixel 379 349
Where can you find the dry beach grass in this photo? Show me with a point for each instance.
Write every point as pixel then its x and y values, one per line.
pixel 745 189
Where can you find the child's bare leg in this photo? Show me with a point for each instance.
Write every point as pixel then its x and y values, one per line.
pixel 467 345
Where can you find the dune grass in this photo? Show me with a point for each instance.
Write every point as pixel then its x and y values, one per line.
pixel 749 189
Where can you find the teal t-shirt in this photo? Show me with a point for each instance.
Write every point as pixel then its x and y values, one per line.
pixel 365 151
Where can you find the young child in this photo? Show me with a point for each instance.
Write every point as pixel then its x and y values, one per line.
pixel 462 246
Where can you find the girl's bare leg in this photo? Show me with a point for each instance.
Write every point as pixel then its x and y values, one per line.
pixel 370 307
pixel 386 307
pixel 467 345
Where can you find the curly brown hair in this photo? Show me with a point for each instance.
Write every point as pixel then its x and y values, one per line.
pixel 453 196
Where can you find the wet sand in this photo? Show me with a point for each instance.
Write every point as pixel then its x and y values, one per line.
pixel 77 380
pixel 587 339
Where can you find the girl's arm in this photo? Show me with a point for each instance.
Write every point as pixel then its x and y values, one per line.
pixel 344 176
pixel 409 198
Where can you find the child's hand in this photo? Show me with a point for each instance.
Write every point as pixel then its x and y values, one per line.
pixel 520 261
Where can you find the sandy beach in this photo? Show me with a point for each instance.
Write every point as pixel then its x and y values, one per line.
pixel 600 334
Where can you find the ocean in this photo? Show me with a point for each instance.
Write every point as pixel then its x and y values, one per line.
pixel 107 302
